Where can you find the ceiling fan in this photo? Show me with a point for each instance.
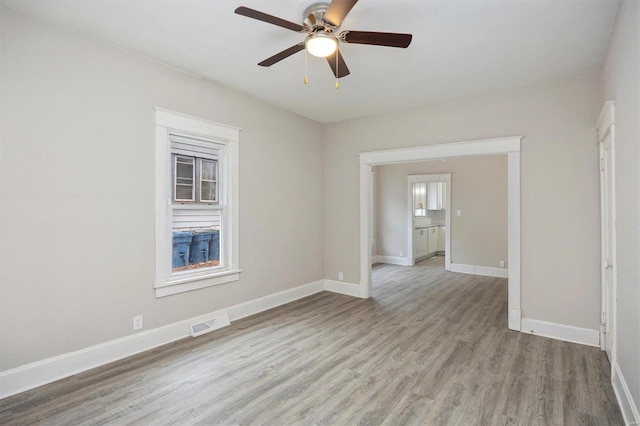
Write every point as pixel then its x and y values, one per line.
pixel 321 22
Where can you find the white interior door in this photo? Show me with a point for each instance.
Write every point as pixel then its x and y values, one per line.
pixel 608 268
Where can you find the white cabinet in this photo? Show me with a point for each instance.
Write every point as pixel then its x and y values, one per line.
pixel 432 240
pixel 436 195
pixel 428 241
pixel 441 238
pixel 420 243
pixel 420 199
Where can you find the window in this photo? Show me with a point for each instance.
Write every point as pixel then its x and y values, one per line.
pixel 196 203
pixel 197 213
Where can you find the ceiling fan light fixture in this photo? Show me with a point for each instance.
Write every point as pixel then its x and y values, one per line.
pixel 320 22
pixel 321 44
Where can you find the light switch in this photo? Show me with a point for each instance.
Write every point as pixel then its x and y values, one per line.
pixel 459 213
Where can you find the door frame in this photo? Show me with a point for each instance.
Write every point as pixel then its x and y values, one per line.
pixel 507 145
pixel 606 127
pixel 432 177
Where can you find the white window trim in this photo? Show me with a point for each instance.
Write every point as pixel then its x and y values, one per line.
pixel 173 122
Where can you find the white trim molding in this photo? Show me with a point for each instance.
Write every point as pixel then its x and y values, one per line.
pixel 49 370
pixel 391 260
pixel 366 227
pixel 568 333
pixel 623 394
pixel 495 146
pixel 606 119
pixel 487 271
pixel 513 231
pixel 341 287
pixel 432 177
pixel 608 231
pixel 509 146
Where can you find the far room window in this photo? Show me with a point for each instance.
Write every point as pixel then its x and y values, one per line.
pixel 420 199
pixel 196 203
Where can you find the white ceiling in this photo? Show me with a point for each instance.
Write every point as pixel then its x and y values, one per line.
pixel 459 46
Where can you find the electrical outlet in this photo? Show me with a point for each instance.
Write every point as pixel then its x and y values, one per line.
pixel 138 322
pixel 502 263
pixel 459 212
pixel 401 254
pixel 340 276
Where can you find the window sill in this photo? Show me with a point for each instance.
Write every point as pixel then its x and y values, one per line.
pixel 182 285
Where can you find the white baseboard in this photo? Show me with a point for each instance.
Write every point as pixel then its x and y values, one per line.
pixel 341 287
pixel 463 269
pixel 515 317
pixel 392 260
pixel 271 301
pixel 487 271
pixel 568 333
pixel 49 370
pixel 625 400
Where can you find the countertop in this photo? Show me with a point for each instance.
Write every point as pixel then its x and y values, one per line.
pixel 429 226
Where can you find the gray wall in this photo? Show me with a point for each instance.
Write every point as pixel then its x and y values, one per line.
pixel 560 188
pixel 621 72
pixel 77 194
pixel 478 188
pixel 77 187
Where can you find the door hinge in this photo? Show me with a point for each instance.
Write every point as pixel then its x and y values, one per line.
pixel 603 321
pixel 602 164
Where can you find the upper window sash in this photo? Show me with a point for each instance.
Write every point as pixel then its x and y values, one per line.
pixel 196 165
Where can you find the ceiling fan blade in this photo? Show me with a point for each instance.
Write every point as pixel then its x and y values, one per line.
pixel 342 70
pixel 337 10
pixel 260 16
pixel 375 38
pixel 282 55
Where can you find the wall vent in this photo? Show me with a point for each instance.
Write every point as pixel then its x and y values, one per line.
pixel 209 324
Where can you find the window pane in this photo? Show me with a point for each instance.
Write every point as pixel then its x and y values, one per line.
pixel 195 248
pixel 183 183
pixel 184 192
pixel 184 159
pixel 184 170
pixel 208 191
pixel 208 170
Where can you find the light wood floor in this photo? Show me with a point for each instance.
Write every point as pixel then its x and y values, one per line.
pixel 431 347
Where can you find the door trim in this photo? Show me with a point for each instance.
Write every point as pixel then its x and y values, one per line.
pixel 606 127
pixel 508 145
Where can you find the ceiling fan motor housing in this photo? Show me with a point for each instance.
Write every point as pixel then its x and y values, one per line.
pixel 313 19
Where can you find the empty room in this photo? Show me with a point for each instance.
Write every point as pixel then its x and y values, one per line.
pixel 350 212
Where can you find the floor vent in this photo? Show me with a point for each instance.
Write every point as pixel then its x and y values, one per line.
pixel 210 324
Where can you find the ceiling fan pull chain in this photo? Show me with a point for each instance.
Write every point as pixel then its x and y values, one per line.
pixel 305 67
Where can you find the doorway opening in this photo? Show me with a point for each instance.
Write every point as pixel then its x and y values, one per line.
pixel 429 219
pixel 509 146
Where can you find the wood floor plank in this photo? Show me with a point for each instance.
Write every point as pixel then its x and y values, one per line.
pixel 430 347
